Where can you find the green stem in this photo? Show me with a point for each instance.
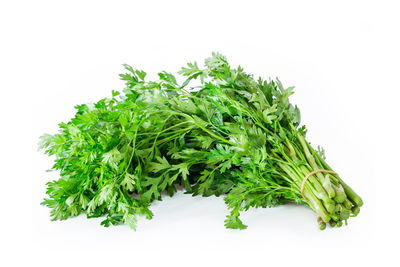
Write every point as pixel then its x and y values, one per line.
pixel 192 120
pixel 310 158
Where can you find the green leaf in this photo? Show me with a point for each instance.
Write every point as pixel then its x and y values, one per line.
pixel 131 221
pixel 233 222
pixel 150 194
pixel 162 164
pixel 129 181
pixel 183 169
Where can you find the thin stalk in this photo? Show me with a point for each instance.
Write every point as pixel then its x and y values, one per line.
pixel 348 205
pixel 340 196
pixel 355 211
pixel 190 118
pixel 328 186
pixel 310 158
pixel 321 223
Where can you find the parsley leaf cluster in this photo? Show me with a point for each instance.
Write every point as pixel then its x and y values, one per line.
pixel 220 132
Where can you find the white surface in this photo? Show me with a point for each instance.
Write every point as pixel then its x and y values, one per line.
pixel 342 56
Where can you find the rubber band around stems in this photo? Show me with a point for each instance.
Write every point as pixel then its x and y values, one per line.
pixel 309 175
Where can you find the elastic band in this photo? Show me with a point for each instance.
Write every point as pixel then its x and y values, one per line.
pixel 309 175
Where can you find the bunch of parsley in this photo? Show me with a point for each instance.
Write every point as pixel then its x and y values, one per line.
pixel 227 135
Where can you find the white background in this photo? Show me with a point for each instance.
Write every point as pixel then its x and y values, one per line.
pixel 342 56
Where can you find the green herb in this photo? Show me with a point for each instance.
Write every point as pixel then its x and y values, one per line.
pixel 220 132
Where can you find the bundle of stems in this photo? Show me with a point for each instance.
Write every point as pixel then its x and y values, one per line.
pixel 322 188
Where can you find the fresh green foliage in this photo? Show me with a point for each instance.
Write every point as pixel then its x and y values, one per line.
pixel 230 135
